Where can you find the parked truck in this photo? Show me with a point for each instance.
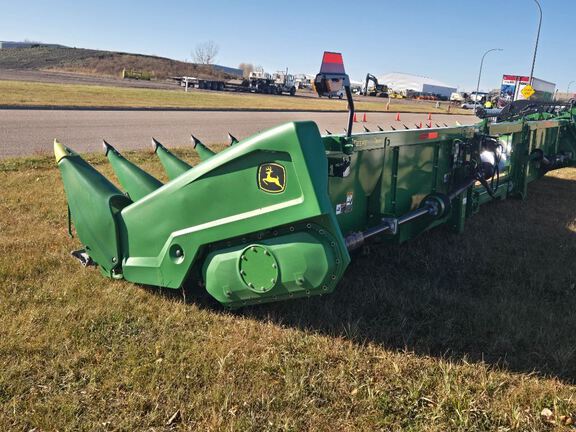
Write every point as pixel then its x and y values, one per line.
pixel 285 82
pixel 277 83
pixel 257 82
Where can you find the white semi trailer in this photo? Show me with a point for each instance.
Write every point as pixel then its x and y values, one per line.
pixel 512 86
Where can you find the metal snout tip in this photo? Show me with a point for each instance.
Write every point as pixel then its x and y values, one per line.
pixel 156 144
pixel 106 147
pixel 60 151
pixel 195 140
pixel 232 139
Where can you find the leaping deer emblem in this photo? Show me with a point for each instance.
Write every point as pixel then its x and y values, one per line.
pixel 270 180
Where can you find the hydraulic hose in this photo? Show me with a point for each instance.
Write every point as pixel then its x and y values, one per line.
pixel 462 188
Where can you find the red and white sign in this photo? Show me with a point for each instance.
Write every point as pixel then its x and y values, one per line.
pixel 511 79
pixel 512 86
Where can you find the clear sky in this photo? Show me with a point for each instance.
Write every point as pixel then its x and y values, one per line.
pixel 441 39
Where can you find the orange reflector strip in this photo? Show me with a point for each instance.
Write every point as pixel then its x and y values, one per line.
pixel 428 135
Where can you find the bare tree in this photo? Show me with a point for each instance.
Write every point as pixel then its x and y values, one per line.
pixel 205 53
pixel 246 68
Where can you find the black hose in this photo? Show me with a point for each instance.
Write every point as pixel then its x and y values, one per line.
pixel 350 110
pixel 462 188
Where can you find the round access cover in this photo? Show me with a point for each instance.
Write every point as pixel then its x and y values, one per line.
pixel 258 268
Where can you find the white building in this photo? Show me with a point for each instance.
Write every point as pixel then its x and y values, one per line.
pixel 401 82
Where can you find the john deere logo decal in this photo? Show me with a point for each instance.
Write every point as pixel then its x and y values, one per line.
pixel 272 177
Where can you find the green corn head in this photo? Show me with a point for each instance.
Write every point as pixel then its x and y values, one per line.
pixel 274 216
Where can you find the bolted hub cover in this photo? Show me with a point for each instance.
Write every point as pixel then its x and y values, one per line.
pixel 258 268
pixel 439 202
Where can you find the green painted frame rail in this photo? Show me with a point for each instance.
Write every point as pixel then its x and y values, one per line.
pixel 276 215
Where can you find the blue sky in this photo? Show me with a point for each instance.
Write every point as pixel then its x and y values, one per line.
pixel 442 39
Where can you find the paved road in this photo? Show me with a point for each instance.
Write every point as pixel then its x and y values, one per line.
pixel 30 132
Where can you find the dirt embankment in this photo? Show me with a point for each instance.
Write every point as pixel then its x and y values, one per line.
pixel 99 63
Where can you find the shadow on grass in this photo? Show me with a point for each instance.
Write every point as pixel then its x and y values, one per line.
pixel 504 292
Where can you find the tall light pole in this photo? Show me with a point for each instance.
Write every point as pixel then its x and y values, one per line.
pixel 568 89
pixel 537 39
pixel 480 75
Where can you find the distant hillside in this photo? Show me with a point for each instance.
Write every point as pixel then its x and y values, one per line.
pixel 100 63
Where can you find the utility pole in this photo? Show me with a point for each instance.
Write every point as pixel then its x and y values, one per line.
pixel 480 74
pixel 568 89
pixel 537 39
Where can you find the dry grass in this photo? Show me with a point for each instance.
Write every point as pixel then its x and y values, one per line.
pixel 160 68
pixel 447 333
pixel 97 62
pixel 19 93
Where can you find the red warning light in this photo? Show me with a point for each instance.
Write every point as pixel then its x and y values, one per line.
pixel 331 57
pixel 332 63
pixel 428 135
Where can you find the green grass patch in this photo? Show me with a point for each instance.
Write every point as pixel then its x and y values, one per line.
pixel 22 94
pixel 471 332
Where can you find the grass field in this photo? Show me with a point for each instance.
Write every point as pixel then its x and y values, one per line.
pixel 448 333
pixel 20 93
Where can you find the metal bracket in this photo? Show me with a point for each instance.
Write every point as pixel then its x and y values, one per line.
pixel 339 168
pixel 393 224
pixel 83 257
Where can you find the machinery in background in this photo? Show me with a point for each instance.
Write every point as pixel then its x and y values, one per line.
pixel 396 95
pixel 284 83
pixel 257 82
pixel 303 81
pixel 380 90
pixel 136 75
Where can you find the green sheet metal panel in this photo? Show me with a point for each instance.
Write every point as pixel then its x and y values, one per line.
pixel 221 199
